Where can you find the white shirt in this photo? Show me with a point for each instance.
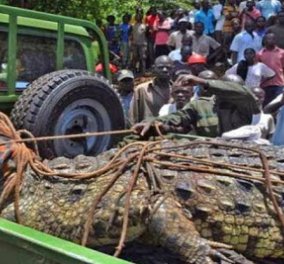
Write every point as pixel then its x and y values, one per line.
pixel 175 38
pixel 175 55
pixel 220 19
pixel 167 109
pixel 256 74
pixel 243 41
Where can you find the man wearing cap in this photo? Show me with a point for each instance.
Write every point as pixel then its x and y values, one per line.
pixel 175 39
pixel 149 97
pixel 125 88
pixel 232 107
pixel 202 44
pixel 197 63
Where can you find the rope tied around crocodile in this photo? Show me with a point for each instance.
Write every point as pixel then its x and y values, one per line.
pixel 144 155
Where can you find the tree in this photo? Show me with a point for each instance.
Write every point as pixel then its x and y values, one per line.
pixel 94 9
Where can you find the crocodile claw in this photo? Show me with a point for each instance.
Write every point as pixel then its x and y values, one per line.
pixel 232 256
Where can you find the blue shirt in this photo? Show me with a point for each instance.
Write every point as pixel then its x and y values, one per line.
pixel 207 19
pixel 124 32
pixel 268 8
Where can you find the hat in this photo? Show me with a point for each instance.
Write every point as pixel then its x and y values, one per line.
pixel 123 74
pixel 184 19
pixel 196 58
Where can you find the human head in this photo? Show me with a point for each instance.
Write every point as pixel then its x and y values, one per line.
pixel 250 4
pixel 138 18
pixel 181 93
pixel 233 78
pixel 183 24
pixel 200 90
pixel 260 22
pixel 161 15
pixel 196 5
pixel 231 2
pixel 236 24
pixel 205 4
pixel 208 75
pixel 125 18
pixel 111 19
pixel 125 79
pixel 197 63
pixel 198 28
pixel 250 56
pixel 249 26
pixel 269 40
pixel 259 94
pixel 222 2
pixel 180 72
pixel 280 18
pixel 185 52
pixel 152 11
pixel 163 67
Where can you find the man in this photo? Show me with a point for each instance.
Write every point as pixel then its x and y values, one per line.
pixel 202 44
pixel 186 52
pixel 206 16
pixel 234 106
pixel 246 39
pixel 249 13
pixel 161 28
pixel 125 88
pixel 219 18
pixel 125 33
pixel 192 12
pixel 139 44
pixel 278 30
pixel 175 39
pixel 175 55
pixel 273 57
pixel 181 95
pixel 230 12
pixel 197 64
pixel 149 97
pixel 268 8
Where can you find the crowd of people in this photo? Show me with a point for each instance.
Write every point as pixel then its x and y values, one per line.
pixel 182 48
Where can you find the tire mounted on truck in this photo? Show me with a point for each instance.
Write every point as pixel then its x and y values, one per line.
pixel 69 102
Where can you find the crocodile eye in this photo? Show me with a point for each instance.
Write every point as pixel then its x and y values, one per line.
pixel 184 190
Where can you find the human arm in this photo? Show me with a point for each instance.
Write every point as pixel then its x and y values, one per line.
pixel 178 122
pixel 234 48
pixel 273 106
pixel 216 47
pixel 232 70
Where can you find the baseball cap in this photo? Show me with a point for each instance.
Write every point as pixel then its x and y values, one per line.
pixel 123 74
pixel 196 58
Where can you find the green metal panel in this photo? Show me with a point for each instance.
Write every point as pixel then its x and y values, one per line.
pixel 33 19
pixel 12 54
pixel 60 46
pixel 23 245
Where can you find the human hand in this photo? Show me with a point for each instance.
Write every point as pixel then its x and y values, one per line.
pixel 142 128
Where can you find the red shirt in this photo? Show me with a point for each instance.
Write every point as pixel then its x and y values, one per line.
pixel 274 59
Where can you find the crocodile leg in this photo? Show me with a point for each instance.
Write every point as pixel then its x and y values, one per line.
pixel 172 228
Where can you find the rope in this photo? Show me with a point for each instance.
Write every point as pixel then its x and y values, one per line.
pixel 142 154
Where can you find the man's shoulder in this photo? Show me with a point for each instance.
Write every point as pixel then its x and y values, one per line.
pixel 143 86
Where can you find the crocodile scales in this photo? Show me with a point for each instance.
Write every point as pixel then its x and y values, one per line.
pixel 192 209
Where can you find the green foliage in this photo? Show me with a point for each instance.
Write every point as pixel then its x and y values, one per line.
pixel 95 9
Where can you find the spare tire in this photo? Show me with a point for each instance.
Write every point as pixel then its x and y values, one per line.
pixel 70 102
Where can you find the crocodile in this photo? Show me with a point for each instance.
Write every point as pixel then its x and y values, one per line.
pixel 187 199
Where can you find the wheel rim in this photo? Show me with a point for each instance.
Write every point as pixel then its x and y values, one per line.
pixel 82 116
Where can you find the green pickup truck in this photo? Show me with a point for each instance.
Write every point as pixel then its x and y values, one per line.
pixel 48 84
